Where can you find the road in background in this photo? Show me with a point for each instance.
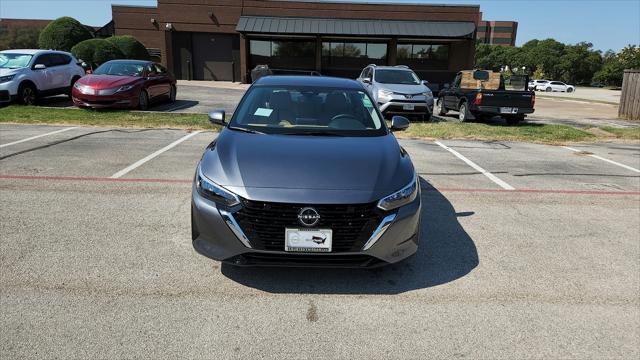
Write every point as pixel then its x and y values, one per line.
pixel 97 267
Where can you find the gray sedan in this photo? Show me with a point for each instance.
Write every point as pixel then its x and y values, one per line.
pixel 306 173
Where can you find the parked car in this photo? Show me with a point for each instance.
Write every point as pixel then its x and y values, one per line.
pixel 398 90
pixel 555 86
pixel 306 173
pixel 26 75
pixel 534 83
pixel 598 84
pixel 125 84
pixel 478 94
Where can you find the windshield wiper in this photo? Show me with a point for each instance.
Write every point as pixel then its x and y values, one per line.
pixel 250 131
pixel 314 133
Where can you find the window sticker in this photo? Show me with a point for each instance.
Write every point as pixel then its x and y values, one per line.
pixel 263 112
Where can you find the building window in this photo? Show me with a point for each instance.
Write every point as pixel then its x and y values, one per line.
pixel 354 50
pixel 424 56
pixel 283 55
pixel 502 41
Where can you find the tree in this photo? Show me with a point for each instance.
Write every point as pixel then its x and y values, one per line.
pixel 96 51
pixel 19 38
pixel 62 34
pixel 614 65
pixel 569 63
pixel 130 47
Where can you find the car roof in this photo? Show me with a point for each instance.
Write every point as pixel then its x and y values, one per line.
pixel 33 51
pixel 127 61
pixel 400 68
pixel 306 80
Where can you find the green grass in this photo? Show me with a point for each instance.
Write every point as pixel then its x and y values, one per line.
pixel 541 133
pixel 624 133
pixel 41 115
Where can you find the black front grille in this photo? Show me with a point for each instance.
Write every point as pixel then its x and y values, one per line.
pixel 264 223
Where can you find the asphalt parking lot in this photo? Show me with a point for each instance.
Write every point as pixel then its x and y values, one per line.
pixel 527 251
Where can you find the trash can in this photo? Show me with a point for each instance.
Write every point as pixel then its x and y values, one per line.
pixel 260 71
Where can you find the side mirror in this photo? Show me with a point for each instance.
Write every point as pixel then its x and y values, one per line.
pixel 366 80
pixel 39 67
pixel 447 86
pixel 424 82
pixel 399 123
pixel 216 117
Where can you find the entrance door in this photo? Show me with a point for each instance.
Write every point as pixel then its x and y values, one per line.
pixel 183 55
pixel 213 56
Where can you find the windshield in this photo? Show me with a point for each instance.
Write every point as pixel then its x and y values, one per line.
pixel 308 111
pixel 122 69
pixel 397 77
pixel 14 61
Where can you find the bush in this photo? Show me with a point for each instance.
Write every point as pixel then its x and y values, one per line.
pixel 130 47
pixel 62 34
pixel 19 38
pixel 96 51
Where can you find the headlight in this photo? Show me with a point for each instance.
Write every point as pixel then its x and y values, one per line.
pixel 6 78
pixel 125 88
pixel 214 192
pixel 427 94
pixel 401 197
pixel 384 93
pixel 114 90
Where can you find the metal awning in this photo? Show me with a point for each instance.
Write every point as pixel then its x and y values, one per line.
pixel 357 27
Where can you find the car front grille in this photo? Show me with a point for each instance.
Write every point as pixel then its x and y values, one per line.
pixel 264 223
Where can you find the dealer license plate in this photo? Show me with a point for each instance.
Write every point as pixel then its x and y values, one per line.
pixel 508 110
pixel 308 240
pixel 407 107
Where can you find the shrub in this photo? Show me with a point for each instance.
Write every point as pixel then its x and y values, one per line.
pixel 130 47
pixel 62 34
pixel 96 51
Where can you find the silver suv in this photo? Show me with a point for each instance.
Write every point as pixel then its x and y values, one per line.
pixel 398 90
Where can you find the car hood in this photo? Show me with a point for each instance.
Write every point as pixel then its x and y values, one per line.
pixel 107 81
pixel 404 89
pixel 307 169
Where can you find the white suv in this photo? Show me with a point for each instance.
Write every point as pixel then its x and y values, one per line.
pixel 26 75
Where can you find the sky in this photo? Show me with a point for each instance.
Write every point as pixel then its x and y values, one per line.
pixel 608 24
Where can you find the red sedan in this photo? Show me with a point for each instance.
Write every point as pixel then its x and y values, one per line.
pixel 131 84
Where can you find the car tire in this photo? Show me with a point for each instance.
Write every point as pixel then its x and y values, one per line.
pixel 548 89
pixel 464 115
pixel 172 94
pixel 569 90
pixel 27 94
pixel 73 82
pixel 442 111
pixel 143 100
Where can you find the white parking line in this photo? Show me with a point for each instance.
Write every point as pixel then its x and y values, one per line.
pixel 151 156
pixel 37 136
pixel 603 159
pixel 484 172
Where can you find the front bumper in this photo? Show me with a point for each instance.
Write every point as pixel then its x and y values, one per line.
pixel 124 100
pixel 8 91
pixel 411 107
pixel 212 237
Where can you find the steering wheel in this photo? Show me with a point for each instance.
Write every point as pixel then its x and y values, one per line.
pixel 352 122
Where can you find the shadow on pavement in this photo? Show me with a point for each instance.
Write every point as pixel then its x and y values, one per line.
pixel 446 253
